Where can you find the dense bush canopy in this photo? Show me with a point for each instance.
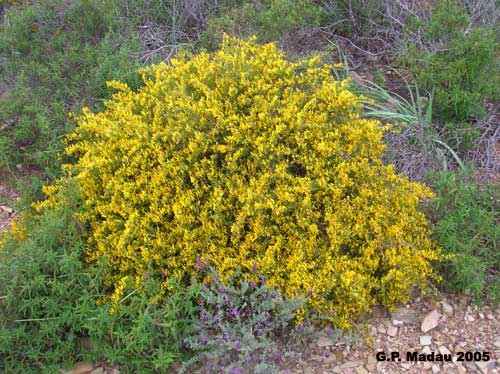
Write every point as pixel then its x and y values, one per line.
pixel 241 158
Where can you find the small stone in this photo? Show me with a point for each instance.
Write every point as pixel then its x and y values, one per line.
pixel 486 366
pixel 99 370
pixel 351 364
pixel 406 366
pixel 337 370
pixel 469 318
pixel 361 370
pixel 447 308
pixel 461 369
pixel 430 321
pixel 497 343
pixel 6 209
pixel 371 367
pixel 481 315
pixel 425 340
pixel 426 350
pixel 330 359
pixel 403 316
pixel 444 351
pixel 392 331
pixel 80 368
pixel 435 369
pixel 324 341
pixel 381 329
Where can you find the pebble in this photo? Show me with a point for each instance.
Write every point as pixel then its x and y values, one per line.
pixel 351 364
pixel 361 370
pixel 80 368
pixel 435 369
pixel 381 329
pixel 444 351
pixel 425 340
pixel 392 331
pixel 403 316
pixel 486 366
pixel 324 341
pixel 6 209
pixel 430 321
pixel 447 308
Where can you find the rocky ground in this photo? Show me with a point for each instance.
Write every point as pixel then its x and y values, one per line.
pixel 448 326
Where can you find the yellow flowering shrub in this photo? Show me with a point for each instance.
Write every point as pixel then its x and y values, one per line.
pixel 240 158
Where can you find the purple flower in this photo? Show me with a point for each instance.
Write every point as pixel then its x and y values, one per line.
pixel 300 327
pixel 264 296
pixel 233 312
pixel 332 312
pixel 201 304
pixel 277 358
pixel 237 370
pixel 203 340
pixel 199 265
pixel 253 284
pixel 237 344
pixel 225 298
pixel 216 275
pixel 327 354
pixel 225 336
pixel 216 318
pixel 329 331
pixel 204 317
pixel 269 325
pixel 262 280
pixel 273 295
pixel 222 289
pixel 260 332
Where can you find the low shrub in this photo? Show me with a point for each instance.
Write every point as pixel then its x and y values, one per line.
pixel 46 294
pixel 268 20
pixel 144 333
pixel 56 58
pixel 468 227
pixel 460 62
pixel 244 327
pixel 241 157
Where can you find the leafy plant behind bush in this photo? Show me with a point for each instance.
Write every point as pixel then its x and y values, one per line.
pixel 46 294
pixel 460 62
pixel 56 58
pixel 468 227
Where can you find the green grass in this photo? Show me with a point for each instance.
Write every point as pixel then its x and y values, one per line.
pixel 468 227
